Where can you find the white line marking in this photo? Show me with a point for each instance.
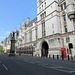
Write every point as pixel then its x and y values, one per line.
pixel 64 67
pixel 52 66
pixel 56 69
pixel 59 68
pixel 72 71
pixel 5 67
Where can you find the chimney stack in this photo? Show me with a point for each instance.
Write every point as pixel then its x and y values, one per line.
pixel 28 20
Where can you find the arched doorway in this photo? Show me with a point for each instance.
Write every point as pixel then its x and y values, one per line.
pixel 44 50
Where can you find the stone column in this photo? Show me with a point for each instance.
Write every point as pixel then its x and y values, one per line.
pixel 12 50
pixel 71 11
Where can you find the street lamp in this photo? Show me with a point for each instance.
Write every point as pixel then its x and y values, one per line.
pixel 70 48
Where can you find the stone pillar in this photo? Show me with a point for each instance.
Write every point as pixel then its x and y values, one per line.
pixel 70 8
pixel 12 50
pixel 71 11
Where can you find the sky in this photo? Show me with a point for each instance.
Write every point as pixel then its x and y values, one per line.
pixel 13 12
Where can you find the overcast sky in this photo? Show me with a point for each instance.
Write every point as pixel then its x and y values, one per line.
pixel 13 12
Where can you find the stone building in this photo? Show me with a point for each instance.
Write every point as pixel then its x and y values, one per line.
pixel 52 29
pixel 8 43
pixel 27 36
pixel 56 23
pixel 5 45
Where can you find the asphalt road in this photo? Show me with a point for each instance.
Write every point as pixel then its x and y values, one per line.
pixel 28 65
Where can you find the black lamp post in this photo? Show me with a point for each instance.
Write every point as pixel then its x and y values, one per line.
pixel 32 50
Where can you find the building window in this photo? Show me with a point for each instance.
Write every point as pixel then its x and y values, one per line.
pixel 25 38
pixel 65 28
pixel 65 6
pixel 43 15
pixel 43 30
pixel 42 7
pixel 30 35
pixel 61 7
pixel 64 17
pixel 36 33
pixel 45 4
pixel 53 27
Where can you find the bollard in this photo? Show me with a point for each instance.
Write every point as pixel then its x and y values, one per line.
pixel 32 54
pixel 62 57
pixel 38 55
pixel 53 56
pixel 46 56
pixel 71 58
pixel 49 56
pixel 20 53
pixel 41 56
pixel 57 57
pixel 74 57
pixel 68 58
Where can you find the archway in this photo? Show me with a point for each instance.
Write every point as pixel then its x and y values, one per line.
pixel 44 50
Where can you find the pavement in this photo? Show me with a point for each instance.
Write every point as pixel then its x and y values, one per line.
pixel 28 65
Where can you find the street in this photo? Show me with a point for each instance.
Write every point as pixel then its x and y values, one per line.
pixel 28 65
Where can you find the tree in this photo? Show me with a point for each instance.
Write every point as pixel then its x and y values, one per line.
pixel 1 49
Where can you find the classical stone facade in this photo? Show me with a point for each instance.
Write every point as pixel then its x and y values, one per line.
pixel 7 43
pixel 27 36
pixel 51 30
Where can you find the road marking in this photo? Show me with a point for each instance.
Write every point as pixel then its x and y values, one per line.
pixel 5 67
pixel 72 71
pixel 55 69
pixel 52 66
pixel 60 68
pixel 65 67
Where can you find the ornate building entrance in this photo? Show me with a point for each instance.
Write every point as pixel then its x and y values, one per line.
pixel 44 50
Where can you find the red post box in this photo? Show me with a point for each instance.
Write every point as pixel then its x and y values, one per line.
pixel 63 52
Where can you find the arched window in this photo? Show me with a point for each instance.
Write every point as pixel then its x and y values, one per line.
pixel 45 4
pixel 42 7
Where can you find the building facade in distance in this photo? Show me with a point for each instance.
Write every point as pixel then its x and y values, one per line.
pixel 51 30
